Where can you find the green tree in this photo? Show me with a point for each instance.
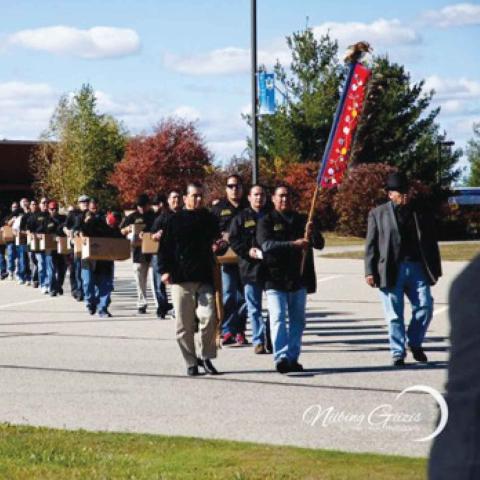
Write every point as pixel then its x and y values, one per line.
pixel 473 156
pixel 79 150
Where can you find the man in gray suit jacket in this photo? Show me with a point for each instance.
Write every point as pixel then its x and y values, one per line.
pixel 402 257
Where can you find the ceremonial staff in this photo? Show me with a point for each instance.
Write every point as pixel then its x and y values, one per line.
pixel 337 152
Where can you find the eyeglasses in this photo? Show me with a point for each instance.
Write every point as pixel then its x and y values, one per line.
pixel 233 185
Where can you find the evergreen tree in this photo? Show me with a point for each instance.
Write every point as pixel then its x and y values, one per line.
pixel 398 128
pixel 473 156
pixel 79 150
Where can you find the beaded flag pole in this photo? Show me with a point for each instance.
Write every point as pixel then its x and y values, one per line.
pixel 337 153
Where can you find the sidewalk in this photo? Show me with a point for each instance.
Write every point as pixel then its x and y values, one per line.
pixel 62 368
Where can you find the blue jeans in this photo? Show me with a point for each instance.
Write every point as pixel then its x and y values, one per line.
pixel 33 266
pixel 253 298
pixel 411 281
pixel 287 342
pixel 234 306
pixel 42 269
pixel 55 271
pixel 159 289
pixel 11 257
pixel 23 269
pixel 3 262
pixel 97 288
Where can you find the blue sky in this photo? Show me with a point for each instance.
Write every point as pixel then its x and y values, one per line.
pixel 150 59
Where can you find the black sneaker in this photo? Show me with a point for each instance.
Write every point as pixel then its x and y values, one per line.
pixel 419 354
pixel 35 284
pixel 60 291
pixel 142 310
pixel 398 362
pixel 91 309
pixel 53 294
pixel 282 366
pixel 296 367
pixel 192 371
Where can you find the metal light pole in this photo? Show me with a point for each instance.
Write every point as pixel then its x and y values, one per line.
pixel 254 91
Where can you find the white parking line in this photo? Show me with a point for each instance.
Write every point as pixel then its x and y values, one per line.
pixel 328 278
pixel 8 305
pixel 440 310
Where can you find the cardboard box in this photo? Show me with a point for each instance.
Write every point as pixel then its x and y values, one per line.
pixel 229 257
pixel 135 230
pixel 21 238
pixel 97 248
pixel 34 242
pixel 7 234
pixel 63 246
pixel 77 246
pixel 47 241
pixel 149 245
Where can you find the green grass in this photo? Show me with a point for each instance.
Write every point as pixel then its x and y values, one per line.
pixel 333 239
pixel 458 252
pixel 46 454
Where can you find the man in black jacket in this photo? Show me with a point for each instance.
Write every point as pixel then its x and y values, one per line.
pixel 33 226
pixel 235 309
pixel 143 216
pixel 242 236
pixel 174 204
pixel 75 217
pixel 402 257
pixel 53 225
pixel 189 241
pixel 98 282
pixel 284 237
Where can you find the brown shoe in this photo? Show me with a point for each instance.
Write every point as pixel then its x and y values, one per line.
pixel 259 349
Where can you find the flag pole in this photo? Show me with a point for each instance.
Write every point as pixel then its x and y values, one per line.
pixel 326 153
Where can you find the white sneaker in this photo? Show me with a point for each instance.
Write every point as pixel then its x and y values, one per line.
pixel 28 282
pixel 45 290
pixel 21 282
pixel 11 276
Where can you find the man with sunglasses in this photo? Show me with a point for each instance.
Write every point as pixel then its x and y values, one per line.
pixel 235 309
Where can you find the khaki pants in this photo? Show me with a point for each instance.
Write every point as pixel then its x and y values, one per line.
pixel 141 275
pixel 192 301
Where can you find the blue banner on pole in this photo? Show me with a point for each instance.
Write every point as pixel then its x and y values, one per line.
pixel 266 97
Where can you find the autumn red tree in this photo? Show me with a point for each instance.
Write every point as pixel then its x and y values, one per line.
pixel 169 158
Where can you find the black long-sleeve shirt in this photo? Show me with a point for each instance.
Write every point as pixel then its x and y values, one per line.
pixel 186 252
pixel 147 218
pixel 282 260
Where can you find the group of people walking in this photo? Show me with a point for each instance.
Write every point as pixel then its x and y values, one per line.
pixel 273 244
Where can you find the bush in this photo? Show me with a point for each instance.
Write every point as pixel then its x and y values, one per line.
pixel 362 189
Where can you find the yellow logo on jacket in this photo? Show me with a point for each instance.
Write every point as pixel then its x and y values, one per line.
pixel 278 227
pixel 249 223
pixel 226 212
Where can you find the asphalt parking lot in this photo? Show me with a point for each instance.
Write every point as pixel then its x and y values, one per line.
pixel 61 367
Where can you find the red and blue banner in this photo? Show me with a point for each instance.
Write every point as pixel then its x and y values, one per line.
pixel 336 156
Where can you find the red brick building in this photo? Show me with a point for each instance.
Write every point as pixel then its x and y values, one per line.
pixel 16 177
